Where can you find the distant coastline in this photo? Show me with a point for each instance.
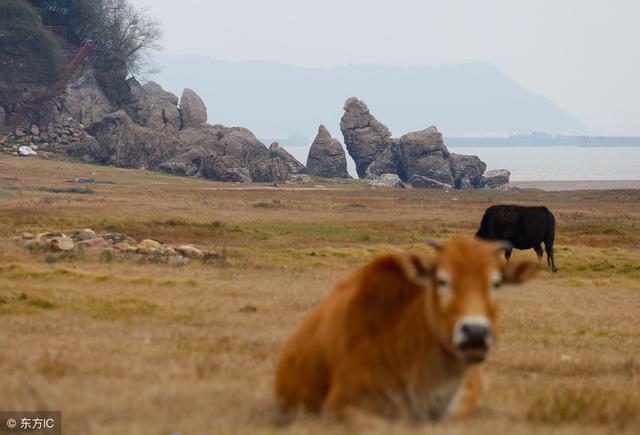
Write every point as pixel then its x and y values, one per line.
pixel 544 140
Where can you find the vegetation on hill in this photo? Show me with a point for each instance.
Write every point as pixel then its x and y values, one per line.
pixel 122 34
pixel 29 55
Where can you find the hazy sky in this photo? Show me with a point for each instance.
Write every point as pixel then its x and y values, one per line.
pixel 582 54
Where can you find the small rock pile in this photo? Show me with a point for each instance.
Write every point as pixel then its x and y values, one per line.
pixel 66 131
pixel 115 243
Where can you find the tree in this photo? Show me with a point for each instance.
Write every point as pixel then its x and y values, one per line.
pixel 29 55
pixel 124 36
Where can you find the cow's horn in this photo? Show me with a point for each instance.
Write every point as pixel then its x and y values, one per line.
pixel 503 245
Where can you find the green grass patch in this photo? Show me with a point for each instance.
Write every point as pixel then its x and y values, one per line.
pixel 73 190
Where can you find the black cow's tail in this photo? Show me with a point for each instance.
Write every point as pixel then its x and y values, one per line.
pixel 550 238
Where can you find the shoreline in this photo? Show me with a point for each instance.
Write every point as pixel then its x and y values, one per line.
pixel 559 185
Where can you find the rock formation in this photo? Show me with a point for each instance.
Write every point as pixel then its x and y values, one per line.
pixel 293 165
pixel 326 156
pixel 420 158
pixel 85 101
pixel 364 136
pixel 193 112
pixel 496 179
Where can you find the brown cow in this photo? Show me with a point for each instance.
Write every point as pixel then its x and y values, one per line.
pixel 404 336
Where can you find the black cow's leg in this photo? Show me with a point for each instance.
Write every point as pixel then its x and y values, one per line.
pixel 538 249
pixel 548 246
pixel 507 254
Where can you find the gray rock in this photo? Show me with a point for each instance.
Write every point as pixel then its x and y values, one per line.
pixel 467 170
pixel 386 162
pixel 300 178
pixel 326 156
pixel 496 179
pixel 225 168
pixel 3 116
pixel 121 142
pixel 25 151
pixel 423 142
pixel 424 153
pixel 193 112
pixel 428 183
pixel 189 163
pixel 386 181
pixel 161 108
pixel 268 169
pixel 364 136
pixel 85 101
pixel 293 165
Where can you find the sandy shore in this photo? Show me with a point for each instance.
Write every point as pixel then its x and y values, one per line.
pixel 550 185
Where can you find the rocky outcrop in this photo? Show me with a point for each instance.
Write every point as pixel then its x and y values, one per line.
pixel 466 170
pixel 160 108
pixel 121 142
pixel 85 101
pixel 326 156
pixel 293 165
pixel 3 116
pixel 496 179
pixel 225 168
pixel 364 136
pixel 193 112
pixel 420 158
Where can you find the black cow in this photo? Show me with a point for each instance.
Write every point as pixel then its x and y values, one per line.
pixel 523 227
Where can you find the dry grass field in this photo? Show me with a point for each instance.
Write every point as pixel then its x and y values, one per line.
pixel 124 345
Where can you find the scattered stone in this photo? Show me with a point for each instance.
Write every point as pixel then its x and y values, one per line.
pixel 429 183
pixel 27 236
pixel 300 179
pixel 25 151
pixel 61 244
pixel 249 308
pixel 191 252
pixel 97 242
pixel 150 244
pixel 386 181
pixel 86 234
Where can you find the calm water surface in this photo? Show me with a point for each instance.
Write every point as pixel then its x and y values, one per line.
pixel 546 163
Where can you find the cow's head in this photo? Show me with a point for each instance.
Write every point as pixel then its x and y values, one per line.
pixel 461 285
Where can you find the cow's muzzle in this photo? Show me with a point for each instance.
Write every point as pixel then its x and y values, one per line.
pixel 472 338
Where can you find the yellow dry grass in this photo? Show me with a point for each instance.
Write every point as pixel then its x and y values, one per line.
pixel 126 346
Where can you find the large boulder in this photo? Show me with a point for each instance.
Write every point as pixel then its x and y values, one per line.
pixel 188 163
pixel 496 179
pixel 3 116
pixel 293 165
pixel 268 169
pixel 121 142
pixel 193 112
pixel 386 162
pixel 364 136
pixel 85 101
pixel 326 156
pixel 225 168
pixel 161 108
pixel 424 153
pixel 386 181
pixel 466 170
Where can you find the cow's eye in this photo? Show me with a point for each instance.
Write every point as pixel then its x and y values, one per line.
pixel 495 281
pixel 444 291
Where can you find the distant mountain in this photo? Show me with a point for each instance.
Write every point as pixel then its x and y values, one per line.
pixel 275 100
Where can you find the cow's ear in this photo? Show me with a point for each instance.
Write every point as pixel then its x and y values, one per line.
pixel 517 272
pixel 416 268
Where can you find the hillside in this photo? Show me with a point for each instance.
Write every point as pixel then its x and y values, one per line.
pixel 278 100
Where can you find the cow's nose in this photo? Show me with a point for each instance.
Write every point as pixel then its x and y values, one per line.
pixel 476 331
pixel 472 334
